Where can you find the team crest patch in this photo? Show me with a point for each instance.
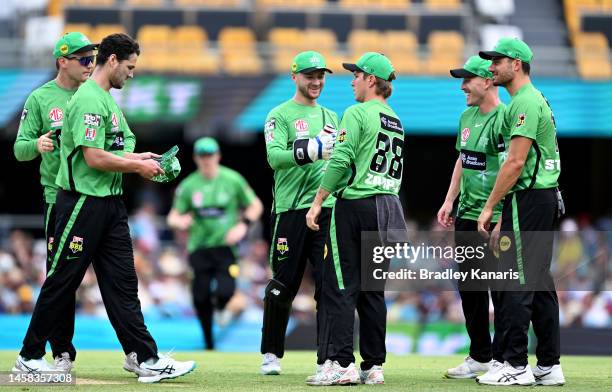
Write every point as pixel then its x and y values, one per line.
pixel 341 136
pixel 64 49
pixel 270 124
pixel 282 246
pixel 504 243
pixel 114 120
pixel 301 125
pixel 521 120
pixel 76 245
pixel 50 244
pixel 24 114
pixel 56 114
pixel 465 134
pixel 90 134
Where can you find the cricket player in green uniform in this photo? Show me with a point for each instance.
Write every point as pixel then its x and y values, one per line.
pixel 478 144
pixel 92 223
pixel 527 181
pixel 370 145
pixel 216 205
pixel 300 136
pixel 39 132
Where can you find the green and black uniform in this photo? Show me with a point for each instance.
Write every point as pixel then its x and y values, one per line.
pixel 529 217
pixel 295 187
pixel 370 146
pixel 43 112
pixel 215 205
pixel 91 227
pixel 481 148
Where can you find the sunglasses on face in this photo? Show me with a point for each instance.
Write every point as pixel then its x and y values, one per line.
pixel 84 61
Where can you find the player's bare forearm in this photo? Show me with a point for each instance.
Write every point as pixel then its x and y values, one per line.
pixel 254 210
pixel 320 197
pixel 453 188
pixel 510 170
pixel 99 159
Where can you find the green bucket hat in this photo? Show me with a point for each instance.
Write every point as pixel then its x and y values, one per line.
pixel 309 61
pixel 71 43
pixel 473 67
pixel 373 63
pixel 509 47
pixel 205 146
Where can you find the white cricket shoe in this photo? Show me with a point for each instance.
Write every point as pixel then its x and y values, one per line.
pixel 131 365
pixel 469 368
pixel 32 365
pixel 337 375
pixel 373 376
pixel 63 363
pixel 165 368
pixel 270 366
pixel 507 375
pixel 548 376
pixel 321 368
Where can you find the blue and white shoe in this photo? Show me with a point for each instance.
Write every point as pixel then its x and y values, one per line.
pixel 32 365
pixel 165 368
pixel 507 375
pixel 552 375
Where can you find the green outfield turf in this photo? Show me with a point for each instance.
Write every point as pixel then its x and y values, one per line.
pixel 101 370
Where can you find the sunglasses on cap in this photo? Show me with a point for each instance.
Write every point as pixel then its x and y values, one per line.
pixel 84 61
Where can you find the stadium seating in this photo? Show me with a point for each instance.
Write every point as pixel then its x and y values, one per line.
pixel 592 55
pixel 209 3
pixel 291 4
pixel 96 3
pixel 574 9
pixel 402 49
pixel 445 52
pixel 145 3
pixel 379 4
pixel 238 50
pixel 442 4
pixel 84 28
pixel 102 30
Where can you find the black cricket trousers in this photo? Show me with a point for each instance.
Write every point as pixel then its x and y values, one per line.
pixel 91 230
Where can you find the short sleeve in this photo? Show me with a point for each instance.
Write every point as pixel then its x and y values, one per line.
pixel 182 198
pixel 524 119
pixel 88 123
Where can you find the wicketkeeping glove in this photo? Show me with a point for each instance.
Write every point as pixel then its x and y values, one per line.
pixel 315 148
pixel 170 164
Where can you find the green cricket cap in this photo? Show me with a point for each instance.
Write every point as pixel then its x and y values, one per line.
pixel 373 63
pixel 509 47
pixel 205 145
pixel 71 43
pixel 473 67
pixel 309 61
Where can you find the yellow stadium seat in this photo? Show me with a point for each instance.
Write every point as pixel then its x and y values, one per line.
pixel 592 55
pixel 97 3
pixel 442 4
pixel 238 47
pixel 282 60
pixel 285 38
pixel 382 4
pixel 291 4
pixel 402 48
pixel 321 40
pixel 84 28
pixel 445 52
pixel 360 41
pixel 189 37
pixel 146 3
pixel 209 3
pixel 103 30
pixel 573 12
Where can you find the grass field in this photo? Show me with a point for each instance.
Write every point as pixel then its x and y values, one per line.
pixel 101 370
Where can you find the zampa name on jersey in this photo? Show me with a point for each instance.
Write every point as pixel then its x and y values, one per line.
pixel 388 184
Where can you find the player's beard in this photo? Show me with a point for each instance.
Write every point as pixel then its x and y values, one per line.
pixel 503 78
pixel 306 93
pixel 115 83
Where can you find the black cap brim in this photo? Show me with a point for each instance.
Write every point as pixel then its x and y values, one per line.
pixel 490 54
pixel 351 67
pixel 313 69
pixel 461 73
pixel 87 48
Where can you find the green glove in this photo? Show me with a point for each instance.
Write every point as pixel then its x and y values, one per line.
pixel 170 165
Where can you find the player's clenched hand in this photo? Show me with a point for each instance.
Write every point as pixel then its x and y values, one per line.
pixel 149 168
pixel 494 240
pixel 45 143
pixel 444 214
pixel 312 216
pixel 236 233
pixel 484 220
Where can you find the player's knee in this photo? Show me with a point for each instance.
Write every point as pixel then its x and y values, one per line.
pixel 278 293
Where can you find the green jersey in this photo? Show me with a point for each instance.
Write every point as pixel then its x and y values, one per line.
pixel 371 144
pixel 215 205
pixel 93 119
pixel 529 115
pixel 295 186
pixel 479 144
pixel 43 112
